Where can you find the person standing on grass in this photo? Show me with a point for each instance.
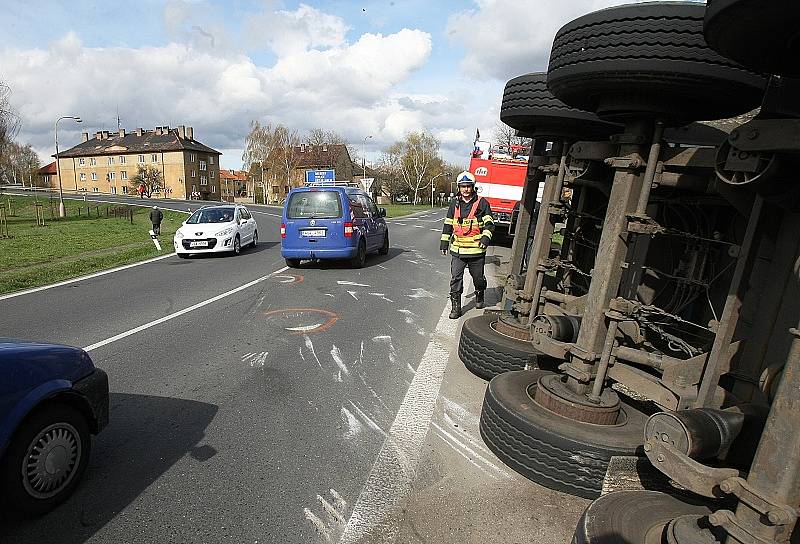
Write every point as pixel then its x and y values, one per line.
pixel 156 216
pixel 467 233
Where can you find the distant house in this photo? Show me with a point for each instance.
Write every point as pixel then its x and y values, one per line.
pixel 232 184
pixel 46 176
pixel 305 157
pixel 107 162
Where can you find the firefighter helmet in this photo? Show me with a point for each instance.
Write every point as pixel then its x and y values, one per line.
pixel 465 178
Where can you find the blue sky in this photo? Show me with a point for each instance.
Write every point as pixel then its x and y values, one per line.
pixel 380 68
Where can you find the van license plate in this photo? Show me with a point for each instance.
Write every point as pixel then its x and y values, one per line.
pixel 202 243
pixel 314 233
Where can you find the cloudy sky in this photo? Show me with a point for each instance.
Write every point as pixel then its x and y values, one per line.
pixel 361 68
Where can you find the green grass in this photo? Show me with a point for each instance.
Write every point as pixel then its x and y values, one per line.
pixel 76 245
pixel 399 210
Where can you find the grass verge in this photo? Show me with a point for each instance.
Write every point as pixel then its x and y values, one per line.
pixel 399 210
pixel 89 239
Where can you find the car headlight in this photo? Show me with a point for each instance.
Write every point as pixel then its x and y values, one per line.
pixel 178 235
pixel 224 232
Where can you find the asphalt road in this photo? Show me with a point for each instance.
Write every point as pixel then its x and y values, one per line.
pixel 248 402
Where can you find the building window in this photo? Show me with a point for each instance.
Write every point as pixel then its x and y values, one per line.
pixel 92 162
pixel 154 158
pixel 211 174
pixel 141 159
pixel 112 176
pixel 94 176
pixel 203 180
pixel 194 174
pixel 124 190
pixel 113 190
pixel 95 190
pixel 83 176
pixel 194 188
pixel 110 161
pixel 122 159
pixel 211 160
pixel 81 161
pixel 213 188
pixel 192 157
pixel 202 165
pixel 124 174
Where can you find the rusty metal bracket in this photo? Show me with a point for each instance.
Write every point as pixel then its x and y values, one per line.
pixel 767 135
pixel 593 151
pixel 522 308
pixel 550 168
pixel 776 513
pixel 548 346
pixel 727 520
pixel 687 472
pixel 634 162
pixel 557 208
pixel 642 224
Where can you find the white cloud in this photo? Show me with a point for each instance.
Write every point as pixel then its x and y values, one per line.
pixel 342 86
pixel 507 38
pixel 289 32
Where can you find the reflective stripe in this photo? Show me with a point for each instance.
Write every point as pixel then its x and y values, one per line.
pixel 487 233
pixel 488 219
pixel 445 237
pixel 448 221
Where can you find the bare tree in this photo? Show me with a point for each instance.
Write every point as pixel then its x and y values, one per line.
pixel 505 135
pixel 415 161
pixel 19 163
pixel 9 121
pixel 287 154
pixel 260 148
pixel 149 176
pixel 317 137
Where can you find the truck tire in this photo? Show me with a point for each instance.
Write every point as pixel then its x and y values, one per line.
pixel 763 36
pixel 551 450
pixel 531 108
pixel 628 516
pixel 487 353
pixel 649 60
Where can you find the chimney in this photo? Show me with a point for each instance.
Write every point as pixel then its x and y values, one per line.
pixel 302 148
pixel 85 137
pixel 324 147
pixel 181 132
pixel 139 131
pixel 190 133
pixel 98 135
pixel 122 133
pixel 157 131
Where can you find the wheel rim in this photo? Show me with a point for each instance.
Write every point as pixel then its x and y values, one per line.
pixel 51 460
pixel 236 247
pixel 255 239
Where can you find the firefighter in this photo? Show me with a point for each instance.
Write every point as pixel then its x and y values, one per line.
pixel 467 233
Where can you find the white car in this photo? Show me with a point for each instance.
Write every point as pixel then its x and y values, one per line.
pixel 216 229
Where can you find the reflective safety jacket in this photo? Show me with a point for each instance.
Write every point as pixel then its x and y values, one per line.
pixel 468 225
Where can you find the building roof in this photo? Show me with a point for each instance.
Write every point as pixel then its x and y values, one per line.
pixel 233 175
pixel 138 141
pixel 47 170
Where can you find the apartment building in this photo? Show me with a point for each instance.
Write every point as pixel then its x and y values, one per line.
pixel 107 162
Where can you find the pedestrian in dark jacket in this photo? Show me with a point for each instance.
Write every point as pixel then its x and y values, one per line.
pixel 156 216
pixel 467 233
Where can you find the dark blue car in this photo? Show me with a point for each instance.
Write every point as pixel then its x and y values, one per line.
pixel 52 398
pixel 332 222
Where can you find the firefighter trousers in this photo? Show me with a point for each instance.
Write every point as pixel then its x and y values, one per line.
pixel 475 265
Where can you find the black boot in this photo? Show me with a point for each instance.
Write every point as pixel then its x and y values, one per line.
pixel 455 302
pixel 479 303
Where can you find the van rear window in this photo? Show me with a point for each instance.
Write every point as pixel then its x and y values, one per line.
pixel 316 204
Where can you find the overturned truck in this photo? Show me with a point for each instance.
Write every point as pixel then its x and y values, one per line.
pixel 664 325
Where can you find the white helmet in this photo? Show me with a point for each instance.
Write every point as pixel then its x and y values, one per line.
pixel 465 178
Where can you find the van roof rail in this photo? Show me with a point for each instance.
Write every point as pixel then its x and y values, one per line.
pixel 330 183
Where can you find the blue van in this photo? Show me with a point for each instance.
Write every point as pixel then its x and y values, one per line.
pixel 332 221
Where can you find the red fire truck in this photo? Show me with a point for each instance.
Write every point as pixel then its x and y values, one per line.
pixel 499 176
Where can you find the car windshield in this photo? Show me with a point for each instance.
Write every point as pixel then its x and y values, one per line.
pixel 211 215
pixel 317 204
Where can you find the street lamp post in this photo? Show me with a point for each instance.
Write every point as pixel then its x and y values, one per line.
pixel 61 209
pixel 364 159
pixel 433 185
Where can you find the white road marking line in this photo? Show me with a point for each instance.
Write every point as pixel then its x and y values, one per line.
pixel 304 328
pixel 389 481
pixel 435 230
pixel 469 450
pixel 265 213
pixel 353 294
pixel 179 313
pixel 82 278
pixel 418 227
pixel 340 282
